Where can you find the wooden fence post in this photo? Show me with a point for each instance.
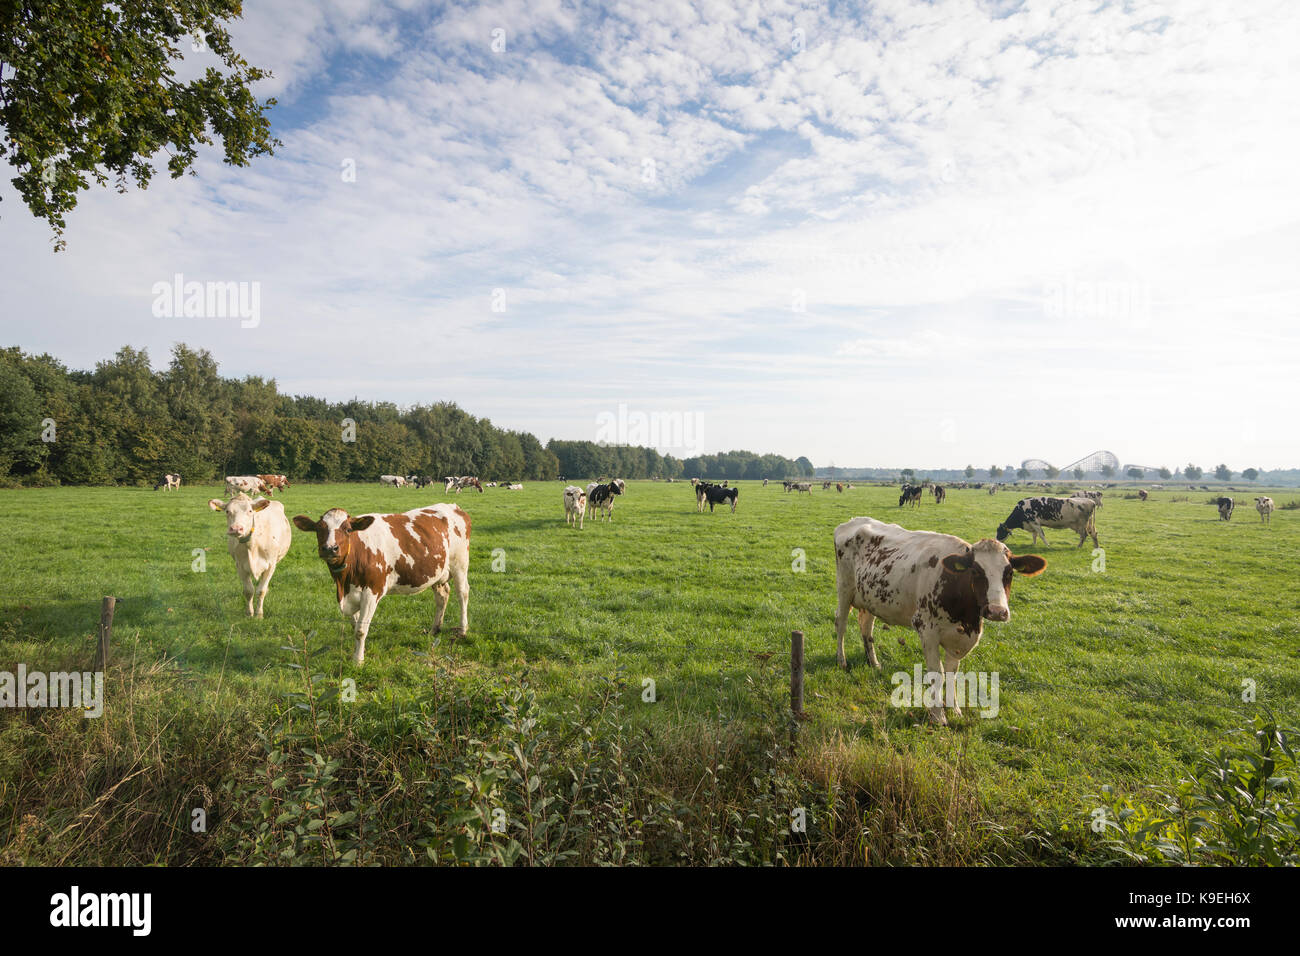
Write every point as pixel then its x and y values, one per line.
pixel 104 647
pixel 796 673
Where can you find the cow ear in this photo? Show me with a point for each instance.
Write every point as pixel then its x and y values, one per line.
pixel 216 504
pixel 1030 565
pixel 305 523
pixel 362 523
pixel 957 563
pixel 261 503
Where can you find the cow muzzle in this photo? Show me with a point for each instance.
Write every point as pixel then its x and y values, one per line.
pixel 1001 614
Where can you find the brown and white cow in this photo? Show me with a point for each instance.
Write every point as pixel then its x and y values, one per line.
pixel 258 537
pixel 275 482
pixel 575 505
pixel 1142 494
pixel 248 484
pixel 1264 506
pixel 937 584
pixel 371 555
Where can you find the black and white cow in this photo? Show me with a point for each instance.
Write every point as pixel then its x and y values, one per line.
pixel 1035 514
pixel 1225 506
pixel 601 498
pixel 911 495
pixel 939 494
pixel 716 495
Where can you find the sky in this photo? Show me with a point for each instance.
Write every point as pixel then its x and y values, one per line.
pixel 876 234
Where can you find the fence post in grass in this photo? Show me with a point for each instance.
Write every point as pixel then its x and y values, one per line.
pixel 106 608
pixel 796 673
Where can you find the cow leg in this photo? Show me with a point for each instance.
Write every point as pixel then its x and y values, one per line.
pixel 951 661
pixel 250 588
pixel 934 675
pixel 440 593
pixel 460 577
pixel 263 586
pixel 866 620
pixel 361 626
pixel 841 620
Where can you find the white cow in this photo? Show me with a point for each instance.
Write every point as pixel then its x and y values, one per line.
pixel 257 537
pixel 248 484
pixel 397 481
pixel 937 584
pixel 1264 506
pixel 575 505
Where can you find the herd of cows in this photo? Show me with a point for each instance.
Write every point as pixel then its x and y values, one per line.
pixel 937 585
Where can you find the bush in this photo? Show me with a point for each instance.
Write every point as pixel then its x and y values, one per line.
pixel 1240 809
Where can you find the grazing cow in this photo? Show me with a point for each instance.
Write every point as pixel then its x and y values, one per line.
pixel 839 488
pixel 575 505
pixel 397 481
pixel 804 487
pixel 911 495
pixel 993 489
pixel 700 489
pixel 258 537
pixel 1265 508
pixel 1035 514
pixel 717 495
pixel 601 498
pixel 826 486
pixel 1142 495
pixel 1225 506
pixel 248 484
pixel 168 482
pixel 937 584
pixel 939 494
pixel 274 482
pixel 515 487
pixel 764 482
pixel 376 554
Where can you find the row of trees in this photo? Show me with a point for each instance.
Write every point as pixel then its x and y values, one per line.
pixel 1191 472
pixel 126 423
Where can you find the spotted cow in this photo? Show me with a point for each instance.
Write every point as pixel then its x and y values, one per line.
pixel 936 584
pixel 1264 506
pixel 258 537
pixel 372 555
pixel 1035 514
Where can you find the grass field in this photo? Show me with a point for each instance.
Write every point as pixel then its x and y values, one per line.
pixel 1118 677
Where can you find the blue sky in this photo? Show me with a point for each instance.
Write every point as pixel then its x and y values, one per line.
pixel 874 234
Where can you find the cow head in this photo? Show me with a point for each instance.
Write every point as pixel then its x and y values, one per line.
pixel 334 533
pixel 240 512
pixel 989 567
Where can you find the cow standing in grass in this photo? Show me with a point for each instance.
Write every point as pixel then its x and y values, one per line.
pixel 1035 514
pixel 1264 506
pixel 1225 506
pixel 258 537
pixel 937 584
pixel 601 498
pixel 372 555
pixel 575 506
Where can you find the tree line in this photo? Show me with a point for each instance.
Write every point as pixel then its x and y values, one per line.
pixel 125 423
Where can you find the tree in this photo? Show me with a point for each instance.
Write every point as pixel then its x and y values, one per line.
pixel 995 471
pixel 1165 474
pixel 1193 473
pixel 970 471
pixel 1134 472
pixel 805 467
pixel 1108 471
pixel 1250 474
pixel 1051 471
pixel 1022 472
pixel 1222 472
pixel 89 90
pixel 1078 474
